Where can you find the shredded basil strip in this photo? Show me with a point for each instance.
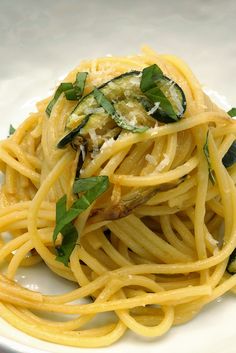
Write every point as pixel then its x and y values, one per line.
pixel 85 184
pixel 78 87
pixel 69 234
pixel 110 109
pixel 149 77
pixel 60 208
pixel 65 217
pixel 104 102
pixel 11 130
pixel 232 112
pixel 64 86
pixel 207 155
pixel 69 239
pixel 156 95
pixel 149 86
pixel 73 91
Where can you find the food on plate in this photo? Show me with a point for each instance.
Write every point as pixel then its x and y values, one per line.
pixel 122 182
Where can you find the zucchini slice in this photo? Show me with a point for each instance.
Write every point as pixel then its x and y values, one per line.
pixel 134 112
pixel 120 120
pixel 91 127
pixel 120 103
pixel 175 95
pixel 119 88
pixel 73 133
pixel 122 88
pixel 230 156
pixel 231 267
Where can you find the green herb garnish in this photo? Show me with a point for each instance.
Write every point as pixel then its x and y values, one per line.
pixel 64 86
pixel 162 91
pixel 92 190
pixel 69 239
pixel 104 102
pixel 78 87
pixel 11 130
pixel 149 77
pixel 69 234
pixel 85 184
pixel 156 95
pixel 110 109
pixel 207 155
pixel 232 112
pixel 73 91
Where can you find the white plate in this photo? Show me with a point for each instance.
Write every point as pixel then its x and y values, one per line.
pixel 41 41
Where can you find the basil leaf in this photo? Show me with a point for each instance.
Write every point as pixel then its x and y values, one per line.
pixel 232 112
pixel 78 87
pixel 156 95
pixel 64 86
pixel 60 208
pixel 70 236
pixel 149 77
pixel 160 89
pixel 73 91
pixel 104 102
pixel 79 205
pixel 110 109
pixel 230 156
pixel 11 130
pixel 71 94
pixel 85 184
pixel 207 155
pixel 80 82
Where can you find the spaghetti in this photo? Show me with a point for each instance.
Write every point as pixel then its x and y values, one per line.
pixel 153 247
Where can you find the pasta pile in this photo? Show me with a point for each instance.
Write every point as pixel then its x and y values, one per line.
pixel 153 248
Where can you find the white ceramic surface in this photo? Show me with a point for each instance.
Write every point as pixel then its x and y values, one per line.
pixel 41 40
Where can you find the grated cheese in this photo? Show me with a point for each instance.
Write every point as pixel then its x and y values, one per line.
pixel 94 110
pixel 73 117
pixel 133 118
pixel 108 143
pixel 156 124
pixel 135 81
pixel 211 240
pixel 112 85
pixel 154 108
pixel 94 138
pixel 130 104
pixel 163 163
pixel 150 159
pixel 82 149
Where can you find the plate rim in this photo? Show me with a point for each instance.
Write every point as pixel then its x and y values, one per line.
pixel 10 346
